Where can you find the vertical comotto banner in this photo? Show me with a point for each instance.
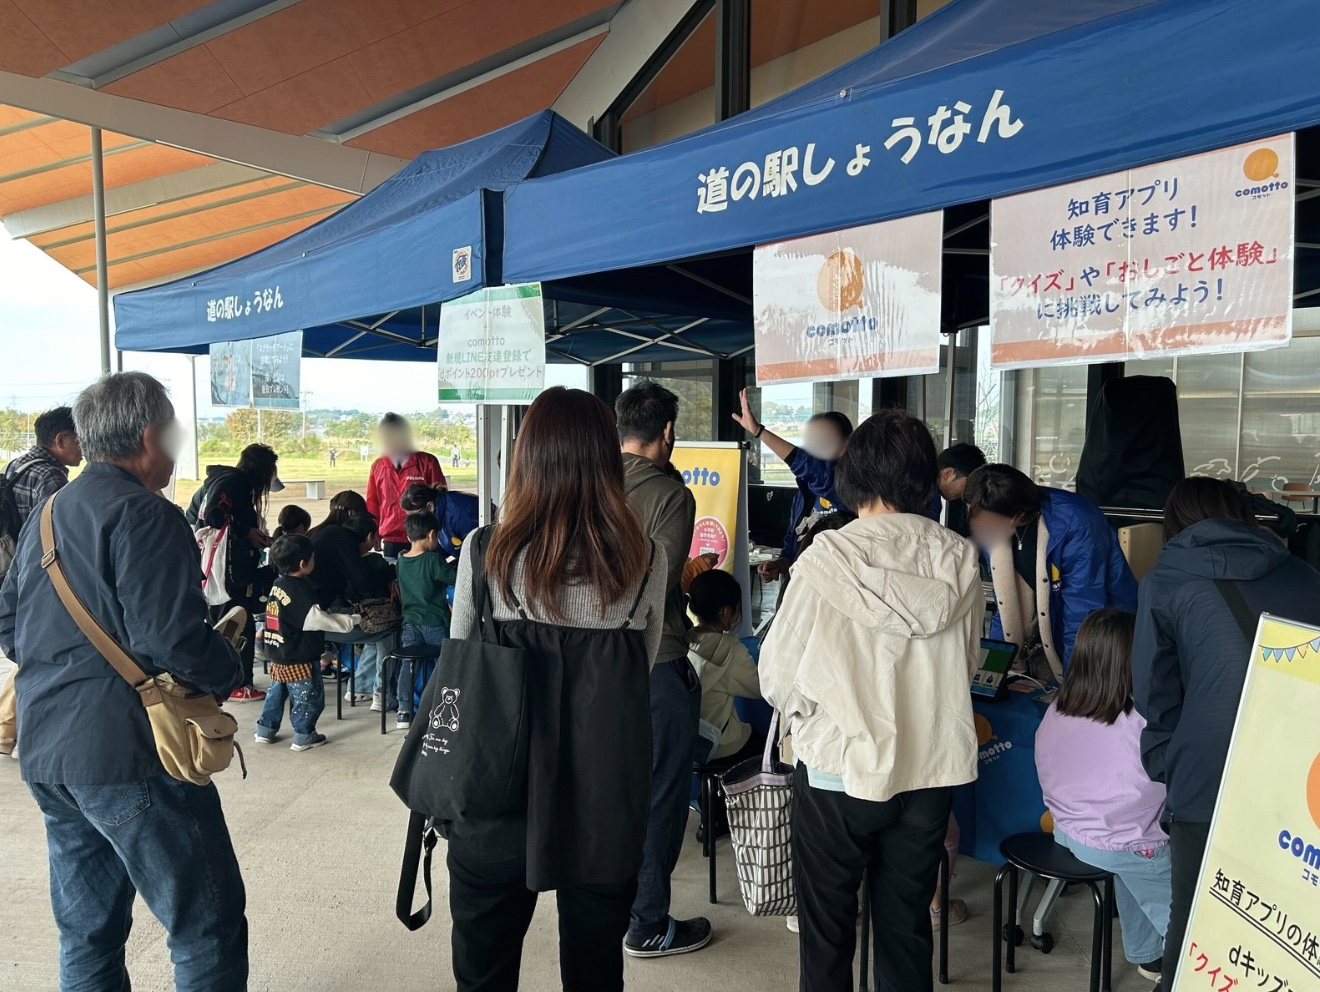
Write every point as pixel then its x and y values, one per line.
pixel 1255 922
pixel 1193 256
pixel 717 476
pixel 860 302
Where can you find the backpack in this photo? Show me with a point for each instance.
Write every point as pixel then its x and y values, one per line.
pixel 10 520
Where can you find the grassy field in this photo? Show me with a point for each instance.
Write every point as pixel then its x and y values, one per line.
pixel 349 473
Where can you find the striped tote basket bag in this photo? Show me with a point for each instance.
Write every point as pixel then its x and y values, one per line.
pixel 759 800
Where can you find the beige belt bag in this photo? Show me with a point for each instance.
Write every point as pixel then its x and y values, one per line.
pixel 194 736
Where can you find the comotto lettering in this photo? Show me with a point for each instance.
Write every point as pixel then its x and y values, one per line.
pixel 1262 190
pixel 849 326
pixel 1300 849
pixel 700 477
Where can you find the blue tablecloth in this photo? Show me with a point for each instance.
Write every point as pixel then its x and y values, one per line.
pixel 1005 799
pixel 756 713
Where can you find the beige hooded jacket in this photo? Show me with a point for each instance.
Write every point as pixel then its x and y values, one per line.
pixel 871 655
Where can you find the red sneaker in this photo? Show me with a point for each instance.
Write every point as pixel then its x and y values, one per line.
pixel 246 694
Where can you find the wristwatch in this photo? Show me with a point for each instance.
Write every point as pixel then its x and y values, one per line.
pixel 757 433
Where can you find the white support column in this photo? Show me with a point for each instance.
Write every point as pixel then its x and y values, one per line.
pixel 98 217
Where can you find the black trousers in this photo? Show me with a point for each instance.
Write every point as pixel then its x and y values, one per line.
pixel 492 907
pixel 392 549
pixel 836 839
pixel 1187 842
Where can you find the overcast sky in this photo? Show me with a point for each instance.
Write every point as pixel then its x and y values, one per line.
pixel 48 340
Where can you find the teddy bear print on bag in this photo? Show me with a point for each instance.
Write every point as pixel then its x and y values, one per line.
pixel 445 715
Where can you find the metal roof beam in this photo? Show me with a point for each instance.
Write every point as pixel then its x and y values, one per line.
pixel 342 167
pixel 160 43
pixel 129 197
pixel 638 29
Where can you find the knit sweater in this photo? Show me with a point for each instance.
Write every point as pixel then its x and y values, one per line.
pixel 580 604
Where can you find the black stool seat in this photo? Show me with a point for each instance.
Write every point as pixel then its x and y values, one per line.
pixel 1039 854
pixel 708 775
pixel 416 651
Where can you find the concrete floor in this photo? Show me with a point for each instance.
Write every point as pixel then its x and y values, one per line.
pixel 322 916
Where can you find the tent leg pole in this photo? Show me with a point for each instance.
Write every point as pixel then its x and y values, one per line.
pixel 949 406
pixel 98 213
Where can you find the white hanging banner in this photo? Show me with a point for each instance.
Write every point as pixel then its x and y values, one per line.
pixel 864 302
pixel 491 347
pixel 1192 256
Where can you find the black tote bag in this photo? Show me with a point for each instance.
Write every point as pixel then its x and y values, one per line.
pixel 465 756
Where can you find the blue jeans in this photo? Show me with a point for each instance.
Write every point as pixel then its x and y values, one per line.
pixel 675 716
pixel 414 634
pixel 306 699
pixel 165 839
pixel 1143 887
pixel 374 647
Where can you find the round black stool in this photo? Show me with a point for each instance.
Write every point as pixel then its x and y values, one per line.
pixel 1038 854
pixel 414 652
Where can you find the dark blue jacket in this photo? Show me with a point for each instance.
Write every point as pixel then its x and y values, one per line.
pixel 815 485
pixel 458 513
pixel 132 559
pixel 1087 567
pixel 1190 657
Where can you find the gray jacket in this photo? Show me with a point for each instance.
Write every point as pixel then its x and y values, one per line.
pixel 668 511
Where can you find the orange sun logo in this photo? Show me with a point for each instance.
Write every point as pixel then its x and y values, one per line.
pixel 984 733
pixel 1313 790
pixel 1261 164
pixel 840 281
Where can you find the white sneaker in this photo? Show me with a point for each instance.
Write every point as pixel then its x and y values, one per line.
pixel 377 702
pixel 792 923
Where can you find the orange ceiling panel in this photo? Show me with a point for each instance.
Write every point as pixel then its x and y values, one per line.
pixel 300 38
pixel 483 108
pixel 69 181
pixel 23 48
pixel 192 80
pixel 303 103
pixel 204 255
pixel 83 27
pixel 217 223
pixel 148 163
pixel 451 40
pixel 50 143
pixel 129 219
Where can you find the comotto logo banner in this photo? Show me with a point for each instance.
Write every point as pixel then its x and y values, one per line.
pixel 860 302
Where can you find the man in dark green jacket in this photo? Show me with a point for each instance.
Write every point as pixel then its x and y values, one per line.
pixel 646 415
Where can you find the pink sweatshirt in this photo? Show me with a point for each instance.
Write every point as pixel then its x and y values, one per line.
pixel 1095 785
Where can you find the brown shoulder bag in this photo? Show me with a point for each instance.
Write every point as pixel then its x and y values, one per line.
pixel 194 736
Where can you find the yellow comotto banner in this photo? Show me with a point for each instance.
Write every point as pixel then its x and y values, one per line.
pixel 714 474
pixel 1255 923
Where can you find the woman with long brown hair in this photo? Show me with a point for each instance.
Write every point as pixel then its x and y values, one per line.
pixel 573 580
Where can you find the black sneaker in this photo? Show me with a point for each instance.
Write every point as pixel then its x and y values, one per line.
pixel 682 937
pixel 1151 971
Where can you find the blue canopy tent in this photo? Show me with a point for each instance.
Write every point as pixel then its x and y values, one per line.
pixel 1015 94
pixel 366 281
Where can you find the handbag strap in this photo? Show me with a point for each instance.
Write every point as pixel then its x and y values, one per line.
pixel 421 837
pixel 101 639
pixel 1237 605
pixel 481 600
pixel 771 739
pixel 641 588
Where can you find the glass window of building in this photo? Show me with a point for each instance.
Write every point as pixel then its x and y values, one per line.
pixel 693 383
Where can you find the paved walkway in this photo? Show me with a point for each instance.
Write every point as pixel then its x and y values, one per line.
pixel 319 835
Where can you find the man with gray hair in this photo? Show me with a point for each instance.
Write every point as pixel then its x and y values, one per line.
pixel 116 823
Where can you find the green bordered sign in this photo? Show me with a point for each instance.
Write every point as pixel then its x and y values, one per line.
pixel 492 346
